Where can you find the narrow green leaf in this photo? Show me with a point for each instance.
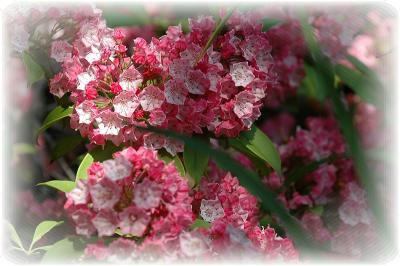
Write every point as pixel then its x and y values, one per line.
pixel 54 116
pixel 200 223
pixel 14 235
pixel 214 34
pixel 363 85
pixel 259 143
pixel 195 163
pixel 268 23
pixel 82 169
pixel 62 251
pixel 62 185
pixel 34 70
pixel 65 145
pixel 42 229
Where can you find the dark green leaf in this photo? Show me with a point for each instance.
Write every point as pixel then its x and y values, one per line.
pixel 260 145
pixel 195 163
pixel 34 70
pixel 62 185
pixel 54 116
pixel 199 223
pixel 65 145
pixel 363 85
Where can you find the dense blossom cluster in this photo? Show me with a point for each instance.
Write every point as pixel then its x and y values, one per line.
pixel 122 80
pixel 134 192
pixel 233 215
pixel 288 51
pixel 165 83
pixel 333 181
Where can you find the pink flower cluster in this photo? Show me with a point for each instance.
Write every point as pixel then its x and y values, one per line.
pixel 288 51
pixel 232 213
pixel 165 83
pixel 333 186
pixel 136 193
pixel 35 27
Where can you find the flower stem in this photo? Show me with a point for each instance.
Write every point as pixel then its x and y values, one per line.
pixel 214 35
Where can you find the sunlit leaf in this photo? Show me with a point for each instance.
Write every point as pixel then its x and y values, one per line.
pixel 200 223
pixel 62 251
pixel 42 229
pixel 62 185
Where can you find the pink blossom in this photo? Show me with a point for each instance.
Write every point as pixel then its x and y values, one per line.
pixel 104 194
pixel 125 103
pixel 105 222
pixel 133 221
pixel 151 98
pixel 241 74
pixel 147 194
pixel 118 168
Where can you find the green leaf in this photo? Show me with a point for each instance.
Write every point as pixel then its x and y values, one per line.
pixel 42 229
pixel 268 23
pixel 195 163
pixel 167 158
pixel 62 251
pixel 312 85
pixel 62 185
pixel 318 210
pixel 200 223
pixel 98 154
pixel 54 116
pixel 65 145
pixel 82 169
pixel 259 144
pixel 14 235
pixel 363 85
pixel 34 70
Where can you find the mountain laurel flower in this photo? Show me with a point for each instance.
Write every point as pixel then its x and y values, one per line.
pixel 164 83
pixel 134 192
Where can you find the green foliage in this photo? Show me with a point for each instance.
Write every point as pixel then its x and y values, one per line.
pixel 42 229
pixel 62 251
pixel 34 70
pixel 256 142
pixel 65 145
pixel 54 116
pixel 62 185
pixel 200 223
pixel 195 162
